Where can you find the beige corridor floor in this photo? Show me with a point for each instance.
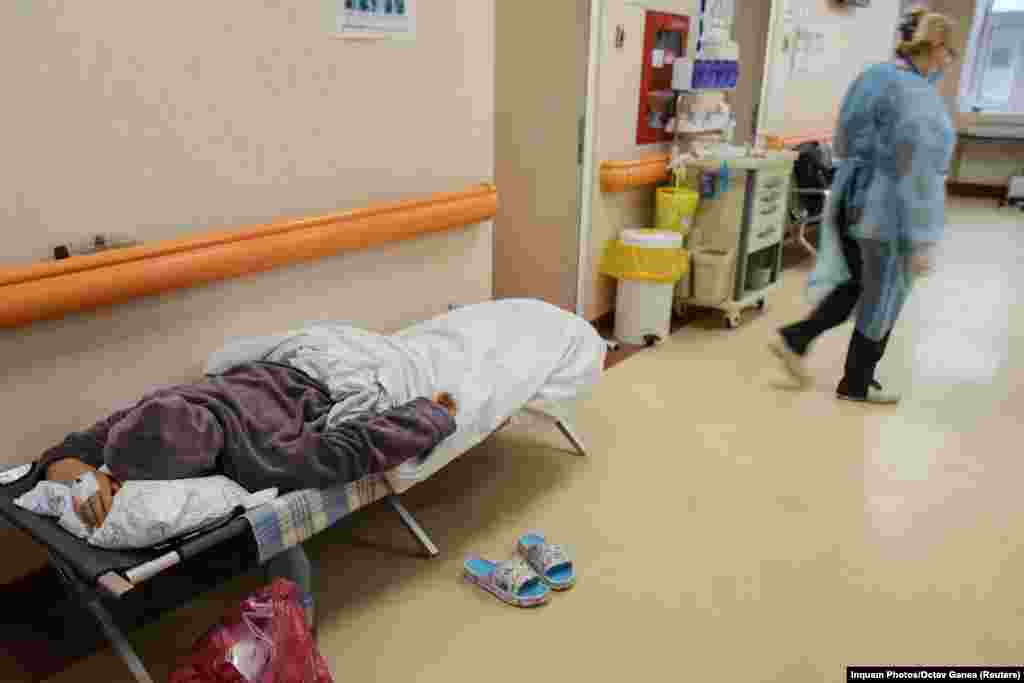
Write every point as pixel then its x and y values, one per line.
pixel 726 528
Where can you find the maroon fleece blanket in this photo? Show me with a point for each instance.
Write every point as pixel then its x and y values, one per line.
pixel 261 424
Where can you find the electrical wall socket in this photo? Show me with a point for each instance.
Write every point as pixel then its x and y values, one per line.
pixel 1015 189
pixel 94 244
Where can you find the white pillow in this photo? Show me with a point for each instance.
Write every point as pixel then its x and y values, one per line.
pixel 144 513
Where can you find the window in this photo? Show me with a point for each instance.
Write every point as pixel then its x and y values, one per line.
pixel 993 78
pixel 1008 6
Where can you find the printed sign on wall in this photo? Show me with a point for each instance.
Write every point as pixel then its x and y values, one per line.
pixel 723 12
pixel 382 19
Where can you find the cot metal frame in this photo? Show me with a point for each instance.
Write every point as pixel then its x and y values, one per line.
pixel 292 564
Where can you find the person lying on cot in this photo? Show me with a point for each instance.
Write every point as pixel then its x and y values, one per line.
pixel 262 424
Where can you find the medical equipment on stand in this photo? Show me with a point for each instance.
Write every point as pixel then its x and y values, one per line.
pixel 736 244
pixel 704 124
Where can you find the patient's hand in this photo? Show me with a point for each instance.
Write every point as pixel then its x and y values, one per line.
pixel 445 400
pixel 94 510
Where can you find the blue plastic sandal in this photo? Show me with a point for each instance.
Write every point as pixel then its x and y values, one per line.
pixel 512 581
pixel 550 561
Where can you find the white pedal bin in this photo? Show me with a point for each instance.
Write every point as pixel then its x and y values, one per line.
pixel 643 309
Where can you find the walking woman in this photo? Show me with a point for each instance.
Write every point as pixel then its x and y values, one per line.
pixel 886 214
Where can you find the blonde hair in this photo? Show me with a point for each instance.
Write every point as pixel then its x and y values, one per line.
pixel 922 30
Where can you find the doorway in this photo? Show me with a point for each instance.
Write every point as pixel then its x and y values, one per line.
pixel 541 105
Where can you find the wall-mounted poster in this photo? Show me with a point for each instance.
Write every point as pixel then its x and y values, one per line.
pixel 382 19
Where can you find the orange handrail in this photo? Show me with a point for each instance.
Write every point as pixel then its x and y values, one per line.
pixel 619 176
pixel 791 141
pixel 52 290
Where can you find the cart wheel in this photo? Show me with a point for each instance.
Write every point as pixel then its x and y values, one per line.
pixel 732 320
pixel 760 304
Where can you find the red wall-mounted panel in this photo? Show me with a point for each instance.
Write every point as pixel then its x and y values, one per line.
pixel 667 33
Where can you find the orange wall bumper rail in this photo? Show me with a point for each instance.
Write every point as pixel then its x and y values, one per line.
pixel 791 141
pixel 619 176
pixel 48 291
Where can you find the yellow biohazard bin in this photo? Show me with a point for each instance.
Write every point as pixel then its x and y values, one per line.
pixel 675 208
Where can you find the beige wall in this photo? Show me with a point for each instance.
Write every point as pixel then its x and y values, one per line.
pixel 618 99
pixel 752 35
pixel 802 101
pixel 540 84
pixel 150 118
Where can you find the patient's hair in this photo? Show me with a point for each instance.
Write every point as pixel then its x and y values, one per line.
pixel 921 30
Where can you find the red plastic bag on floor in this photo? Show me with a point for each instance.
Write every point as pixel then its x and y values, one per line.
pixel 264 639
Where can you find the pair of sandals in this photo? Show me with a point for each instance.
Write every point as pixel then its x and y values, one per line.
pixel 528 579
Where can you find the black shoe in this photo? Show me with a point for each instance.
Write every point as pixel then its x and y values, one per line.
pixel 875 394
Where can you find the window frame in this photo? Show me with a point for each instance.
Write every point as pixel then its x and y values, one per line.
pixel 978 57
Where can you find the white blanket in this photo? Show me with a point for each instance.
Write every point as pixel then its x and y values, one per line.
pixel 495 358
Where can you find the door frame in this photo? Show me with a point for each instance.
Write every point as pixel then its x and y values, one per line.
pixel 775 27
pixel 588 174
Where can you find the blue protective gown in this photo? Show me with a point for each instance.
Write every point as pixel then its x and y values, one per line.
pixel 893 144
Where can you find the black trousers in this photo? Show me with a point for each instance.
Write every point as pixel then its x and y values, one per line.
pixel 863 354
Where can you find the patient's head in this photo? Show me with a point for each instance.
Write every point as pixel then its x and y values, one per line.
pixel 164 437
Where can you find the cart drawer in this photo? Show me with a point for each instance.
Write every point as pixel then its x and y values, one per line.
pixel 765 233
pixel 768 210
pixel 770 198
pixel 769 182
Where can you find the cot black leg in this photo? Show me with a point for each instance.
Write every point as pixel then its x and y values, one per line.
pixel 413 526
pixel 121 645
pixel 92 602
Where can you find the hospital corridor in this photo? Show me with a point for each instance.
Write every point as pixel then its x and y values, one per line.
pixel 806 534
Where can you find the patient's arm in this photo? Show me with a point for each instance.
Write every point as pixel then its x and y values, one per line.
pixel 319 457
pixel 374 443
pixel 94 510
pixel 408 431
pixel 77 454
pixel 68 469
